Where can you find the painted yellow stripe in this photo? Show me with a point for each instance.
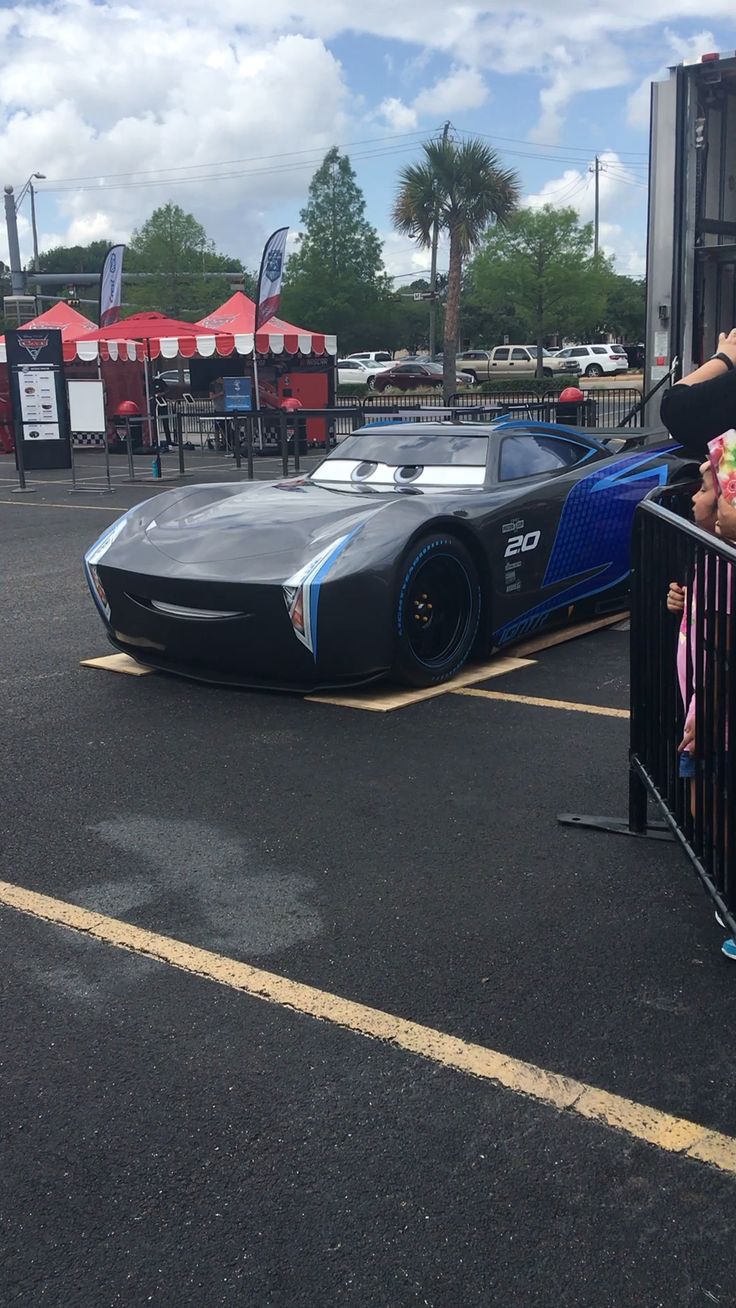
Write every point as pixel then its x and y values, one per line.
pixel 384 697
pixel 535 700
pixel 673 1134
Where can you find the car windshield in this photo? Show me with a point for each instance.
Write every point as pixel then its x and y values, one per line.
pixel 389 455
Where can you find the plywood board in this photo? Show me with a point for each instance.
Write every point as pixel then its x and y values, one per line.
pixel 117 663
pixel 385 698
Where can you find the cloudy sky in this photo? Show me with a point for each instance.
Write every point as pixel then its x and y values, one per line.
pixel 227 108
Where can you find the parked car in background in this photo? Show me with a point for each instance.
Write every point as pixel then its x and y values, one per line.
pixel 597 360
pixel 372 356
pixel 416 377
pixel 171 377
pixel 482 365
pixel 357 372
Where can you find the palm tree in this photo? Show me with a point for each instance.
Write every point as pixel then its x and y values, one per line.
pixel 461 189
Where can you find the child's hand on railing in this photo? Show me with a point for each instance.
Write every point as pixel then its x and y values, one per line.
pixel 676 597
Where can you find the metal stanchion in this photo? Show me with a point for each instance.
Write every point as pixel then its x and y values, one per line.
pixel 180 438
pixel 21 488
pixel 284 445
pixel 236 441
pixel 129 448
pixel 249 444
pixel 297 439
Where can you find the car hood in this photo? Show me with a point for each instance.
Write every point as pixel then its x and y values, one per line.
pixel 213 524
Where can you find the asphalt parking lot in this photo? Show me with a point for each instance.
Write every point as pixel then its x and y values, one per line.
pixel 181 1128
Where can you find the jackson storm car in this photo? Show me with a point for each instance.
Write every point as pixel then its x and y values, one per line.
pixel 412 547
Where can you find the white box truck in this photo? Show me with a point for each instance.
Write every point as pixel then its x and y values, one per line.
pixel 691 238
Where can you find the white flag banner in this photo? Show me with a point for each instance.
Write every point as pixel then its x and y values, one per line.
pixel 269 280
pixel 111 286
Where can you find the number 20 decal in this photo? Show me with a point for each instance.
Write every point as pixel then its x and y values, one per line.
pixel 522 544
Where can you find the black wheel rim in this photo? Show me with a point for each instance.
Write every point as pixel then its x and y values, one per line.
pixel 437 610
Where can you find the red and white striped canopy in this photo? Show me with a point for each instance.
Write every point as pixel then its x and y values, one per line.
pixel 153 336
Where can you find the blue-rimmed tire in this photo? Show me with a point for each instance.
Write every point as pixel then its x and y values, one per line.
pixel 438 608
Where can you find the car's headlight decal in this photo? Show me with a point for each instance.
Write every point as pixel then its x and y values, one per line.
pixel 301 591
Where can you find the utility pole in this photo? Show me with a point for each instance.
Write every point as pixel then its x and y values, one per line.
pixel 433 270
pixel 17 280
pixel 596 168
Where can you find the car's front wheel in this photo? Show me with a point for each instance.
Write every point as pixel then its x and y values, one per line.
pixel 594 370
pixel 370 382
pixel 438 608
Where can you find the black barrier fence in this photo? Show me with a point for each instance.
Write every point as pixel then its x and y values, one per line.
pixel 602 406
pixel 682 671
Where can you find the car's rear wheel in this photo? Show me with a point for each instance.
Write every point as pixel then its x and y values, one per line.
pixel 370 383
pixel 438 609
pixel 472 377
pixel 547 372
pixel 594 370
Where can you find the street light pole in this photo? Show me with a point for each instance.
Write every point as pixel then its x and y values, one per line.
pixel 33 225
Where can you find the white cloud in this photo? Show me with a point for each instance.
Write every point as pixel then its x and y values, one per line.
pixel 95 92
pixel 398 116
pixel 462 88
pixel 95 88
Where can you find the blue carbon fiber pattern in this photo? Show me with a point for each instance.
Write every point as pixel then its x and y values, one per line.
pixel 595 524
pixel 594 536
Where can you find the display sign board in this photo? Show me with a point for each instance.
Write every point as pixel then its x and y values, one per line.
pixel 237 394
pixel 86 406
pixel 38 397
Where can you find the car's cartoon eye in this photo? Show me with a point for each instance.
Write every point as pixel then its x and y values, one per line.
pixel 409 472
pixel 363 471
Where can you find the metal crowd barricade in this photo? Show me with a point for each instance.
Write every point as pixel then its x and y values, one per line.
pixel 699 814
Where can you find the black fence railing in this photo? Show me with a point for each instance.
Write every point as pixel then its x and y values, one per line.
pixel 683 694
pixel 602 407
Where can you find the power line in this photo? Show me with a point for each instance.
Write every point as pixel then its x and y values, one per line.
pixel 579 149
pixel 256 158
pixel 307 165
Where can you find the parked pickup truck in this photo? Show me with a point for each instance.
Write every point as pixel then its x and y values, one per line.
pixel 513 359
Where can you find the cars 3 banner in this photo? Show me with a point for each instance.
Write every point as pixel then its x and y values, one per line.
pixel 111 286
pixel 268 297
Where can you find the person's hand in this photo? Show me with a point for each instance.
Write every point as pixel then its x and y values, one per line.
pixel 726 520
pixel 727 344
pixel 675 597
pixel 687 744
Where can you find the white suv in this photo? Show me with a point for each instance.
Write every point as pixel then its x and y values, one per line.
pixel 373 356
pixel 595 360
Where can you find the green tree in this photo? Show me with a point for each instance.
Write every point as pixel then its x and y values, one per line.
pixel 175 249
pixel 74 258
pixel 335 280
pixel 625 311
pixel 540 269
pixel 460 190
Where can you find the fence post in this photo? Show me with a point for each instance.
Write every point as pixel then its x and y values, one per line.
pixel 249 444
pixel 21 488
pixel 180 438
pixel 131 465
pixel 284 444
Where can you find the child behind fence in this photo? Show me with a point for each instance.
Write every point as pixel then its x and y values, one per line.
pixel 716 474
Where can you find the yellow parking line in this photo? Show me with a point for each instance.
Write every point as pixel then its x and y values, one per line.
pixel 538 702
pixel 384 698
pixel 674 1135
